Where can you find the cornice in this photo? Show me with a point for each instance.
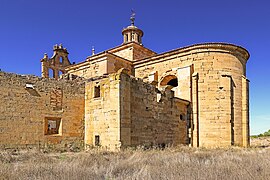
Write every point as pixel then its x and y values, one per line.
pixel 199 48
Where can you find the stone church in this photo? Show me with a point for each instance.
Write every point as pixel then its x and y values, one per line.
pixel 129 95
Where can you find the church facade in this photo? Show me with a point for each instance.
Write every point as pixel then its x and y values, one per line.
pixel 130 95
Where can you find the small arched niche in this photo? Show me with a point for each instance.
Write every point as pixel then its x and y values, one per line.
pixel 51 73
pixel 169 80
pixel 61 60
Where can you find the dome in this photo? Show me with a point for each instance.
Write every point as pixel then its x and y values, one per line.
pixel 132 33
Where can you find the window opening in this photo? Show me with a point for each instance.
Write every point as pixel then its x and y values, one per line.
pixel 182 117
pixel 169 80
pixel 52 126
pixel 173 82
pixel 97 92
pixel 61 60
pixel 51 73
pixel 97 140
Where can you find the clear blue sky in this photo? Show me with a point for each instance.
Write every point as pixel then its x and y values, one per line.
pixel 29 28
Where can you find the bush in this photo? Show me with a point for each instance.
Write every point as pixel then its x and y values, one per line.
pixel 265 134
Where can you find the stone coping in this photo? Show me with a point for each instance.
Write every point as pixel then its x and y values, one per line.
pixel 198 48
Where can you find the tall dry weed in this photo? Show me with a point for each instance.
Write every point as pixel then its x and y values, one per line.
pixel 171 163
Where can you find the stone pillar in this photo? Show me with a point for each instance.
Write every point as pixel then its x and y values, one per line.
pixel 195 112
pixel 136 37
pixel 55 73
pixel 226 110
pixel 125 38
pixel 129 37
pixel 88 119
pixel 245 111
pixel 125 109
pixel 44 69
pixel 44 66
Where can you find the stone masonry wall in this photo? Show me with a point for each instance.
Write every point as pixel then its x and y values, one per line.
pixel 149 117
pixel 125 53
pixel 90 69
pixel 106 64
pixel 116 63
pixel 29 102
pixel 218 98
pixel 129 112
pixel 102 114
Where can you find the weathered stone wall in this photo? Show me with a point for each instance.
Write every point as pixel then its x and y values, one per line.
pixel 220 99
pixel 102 114
pixel 130 112
pixel 219 102
pixel 141 52
pixel 150 117
pixel 57 63
pixel 28 102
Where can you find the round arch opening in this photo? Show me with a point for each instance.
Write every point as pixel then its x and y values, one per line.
pixel 169 80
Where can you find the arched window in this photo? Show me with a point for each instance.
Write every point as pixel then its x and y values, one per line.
pixel 51 73
pixel 61 60
pixel 173 82
pixel 169 80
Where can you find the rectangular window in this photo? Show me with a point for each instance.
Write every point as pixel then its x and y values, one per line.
pixel 53 126
pixel 97 92
pixel 97 140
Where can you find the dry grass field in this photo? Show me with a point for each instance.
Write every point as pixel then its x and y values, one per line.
pixel 170 163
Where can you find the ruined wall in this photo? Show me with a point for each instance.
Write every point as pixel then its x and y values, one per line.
pixel 29 103
pixel 219 102
pixel 149 117
pixel 129 112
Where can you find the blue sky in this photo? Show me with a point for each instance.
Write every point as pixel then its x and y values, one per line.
pixel 30 28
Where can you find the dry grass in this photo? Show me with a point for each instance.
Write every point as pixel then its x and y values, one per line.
pixel 262 142
pixel 171 163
